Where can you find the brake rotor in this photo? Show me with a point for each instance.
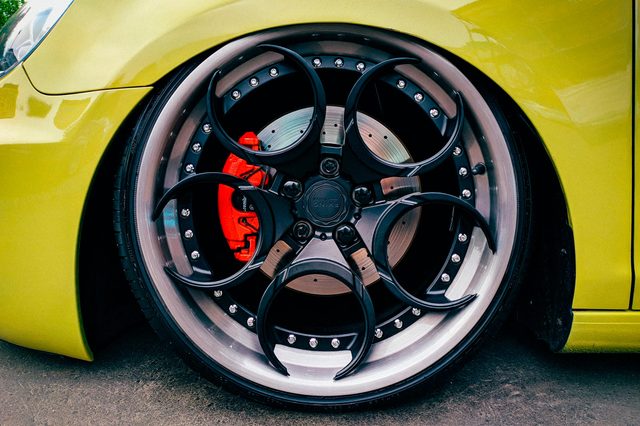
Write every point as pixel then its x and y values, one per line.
pixel 282 132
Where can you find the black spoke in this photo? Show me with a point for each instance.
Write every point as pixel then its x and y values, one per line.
pixel 435 298
pixel 266 332
pixel 367 166
pixel 265 204
pixel 299 158
pixel 202 279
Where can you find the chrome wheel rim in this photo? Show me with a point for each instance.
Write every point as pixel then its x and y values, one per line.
pixel 419 345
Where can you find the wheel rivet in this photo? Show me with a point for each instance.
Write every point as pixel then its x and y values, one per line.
pixel 455 258
pixel 189 168
pixel 302 231
pixel 313 342
pixel 418 97
pixel 401 84
pixel 217 293
pixel 195 254
pixel 206 127
pixel 362 195
pixel 445 278
pixel 233 308
pixel 253 81
pixel 317 62
pixel 457 151
pixel 466 193
pixel 273 72
pixel 463 171
pixel 462 238
pixel 434 113
pixel 185 212
pixel 292 189
pixel 379 333
pixel 329 167
pixel 251 321
pixel 236 94
pixel 335 343
pixel 416 311
pixel 338 62
pixel 291 339
pixel 398 323
pixel 360 66
pixel 188 234
pixel 345 234
pixel 196 147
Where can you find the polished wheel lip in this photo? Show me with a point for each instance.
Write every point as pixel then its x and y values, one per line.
pixel 371 377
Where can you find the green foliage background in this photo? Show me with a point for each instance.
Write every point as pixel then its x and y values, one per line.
pixel 7 7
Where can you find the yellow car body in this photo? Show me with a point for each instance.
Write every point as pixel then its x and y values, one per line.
pixel 568 65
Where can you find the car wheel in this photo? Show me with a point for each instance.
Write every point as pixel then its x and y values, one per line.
pixel 322 216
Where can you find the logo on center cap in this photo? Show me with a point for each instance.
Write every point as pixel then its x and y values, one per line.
pixel 325 203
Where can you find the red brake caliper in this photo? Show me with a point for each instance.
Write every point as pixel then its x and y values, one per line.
pixel 238 220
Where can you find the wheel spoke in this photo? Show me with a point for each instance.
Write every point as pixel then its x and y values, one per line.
pixel 266 332
pixel 435 298
pixel 365 166
pixel 266 205
pixel 301 157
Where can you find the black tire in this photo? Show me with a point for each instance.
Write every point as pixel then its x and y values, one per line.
pixel 473 248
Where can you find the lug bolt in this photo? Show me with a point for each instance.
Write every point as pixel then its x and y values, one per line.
pixel 250 321
pixel 189 168
pixel 254 81
pixel 418 97
pixel 206 127
pixel 195 255
pixel 455 258
pixel 345 234
pixel 273 72
pixel 463 171
pixel 360 66
pixel 457 151
pixel 302 230
pixel 316 62
pixel 434 113
pixel 233 309
pixel 335 343
pixel 397 323
pixel 196 147
pixel 362 195
pixel 188 234
pixel 466 193
pixel 217 293
pixel 236 94
pixel 445 278
pixel 329 167
pixel 185 212
pixel 401 84
pixel 462 238
pixel 339 63
pixel 379 333
pixel 416 311
pixel 291 339
pixel 292 189
pixel 313 342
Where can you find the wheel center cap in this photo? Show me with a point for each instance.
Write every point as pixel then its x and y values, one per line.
pixel 325 203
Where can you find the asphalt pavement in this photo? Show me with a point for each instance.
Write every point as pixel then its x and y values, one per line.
pixel 138 380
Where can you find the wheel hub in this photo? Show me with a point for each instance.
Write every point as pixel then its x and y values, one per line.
pixel 325 203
